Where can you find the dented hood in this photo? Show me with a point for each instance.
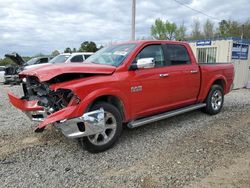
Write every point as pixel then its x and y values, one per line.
pixel 48 72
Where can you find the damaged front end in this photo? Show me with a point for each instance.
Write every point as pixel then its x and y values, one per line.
pixel 58 107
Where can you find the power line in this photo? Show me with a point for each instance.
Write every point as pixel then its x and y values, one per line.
pixel 185 5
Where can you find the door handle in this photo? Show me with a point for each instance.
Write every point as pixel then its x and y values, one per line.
pixel 164 75
pixel 194 71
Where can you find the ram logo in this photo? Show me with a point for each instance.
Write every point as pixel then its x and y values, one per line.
pixel 136 89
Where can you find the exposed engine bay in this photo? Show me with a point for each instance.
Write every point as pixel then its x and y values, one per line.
pixel 52 101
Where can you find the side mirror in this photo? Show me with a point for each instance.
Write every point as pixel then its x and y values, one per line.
pixel 145 63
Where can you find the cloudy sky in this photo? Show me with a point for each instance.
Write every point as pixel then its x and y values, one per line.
pixel 30 27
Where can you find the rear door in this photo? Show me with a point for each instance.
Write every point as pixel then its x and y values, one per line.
pixel 183 76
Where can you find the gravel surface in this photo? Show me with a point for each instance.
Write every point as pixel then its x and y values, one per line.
pixel 191 150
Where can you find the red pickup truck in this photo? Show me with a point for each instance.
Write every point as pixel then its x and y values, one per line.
pixel 134 83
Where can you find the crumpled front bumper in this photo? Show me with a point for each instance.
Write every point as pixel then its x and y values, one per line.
pixel 89 123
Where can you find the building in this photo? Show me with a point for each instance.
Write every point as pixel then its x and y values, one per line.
pixel 229 50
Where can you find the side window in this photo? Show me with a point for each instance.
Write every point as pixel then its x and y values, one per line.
pixel 43 60
pixel 154 51
pixel 77 59
pixel 86 56
pixel 176 54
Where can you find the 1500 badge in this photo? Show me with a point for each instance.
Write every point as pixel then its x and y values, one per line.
pixel 136 89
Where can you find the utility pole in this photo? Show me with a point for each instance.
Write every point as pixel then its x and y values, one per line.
pixel 133 20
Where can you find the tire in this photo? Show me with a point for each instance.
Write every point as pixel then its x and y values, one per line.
pixel 214 100
pixel 100 143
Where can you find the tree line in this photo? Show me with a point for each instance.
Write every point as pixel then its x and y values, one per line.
pixel 165 30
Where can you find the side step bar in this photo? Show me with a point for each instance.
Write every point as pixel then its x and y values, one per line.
pixel 164 115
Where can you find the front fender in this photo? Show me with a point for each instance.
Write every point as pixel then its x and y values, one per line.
pixel 90 98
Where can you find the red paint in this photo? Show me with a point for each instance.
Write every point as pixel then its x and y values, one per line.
pixel 22 104
pixel 65 113
pixel 179 89
pixel 45 73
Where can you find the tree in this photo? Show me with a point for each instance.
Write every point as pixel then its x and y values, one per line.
pixel 208 29
pixel 68 50
pixel 230 28
pixel 180 34
pixel 74 50
pixel 196 32
pixel 5 61
pixel 163 30
pixel 223 28
pixel 88 46
pixel 246 30
pixel 158 30
pixel 55 53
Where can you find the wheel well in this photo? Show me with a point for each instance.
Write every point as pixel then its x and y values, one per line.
pixel 112 100
pixel 219 82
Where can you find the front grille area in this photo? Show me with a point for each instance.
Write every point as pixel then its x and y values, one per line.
pixel 10 71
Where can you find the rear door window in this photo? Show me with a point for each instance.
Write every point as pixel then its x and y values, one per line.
pixel 77 59
pixel 86 56
pixel 176 54
pixel 43 60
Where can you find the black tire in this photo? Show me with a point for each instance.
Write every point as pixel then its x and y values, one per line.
pixel 108 108
pixel 213 105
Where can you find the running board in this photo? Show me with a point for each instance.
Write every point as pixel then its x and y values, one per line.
pixel 164 115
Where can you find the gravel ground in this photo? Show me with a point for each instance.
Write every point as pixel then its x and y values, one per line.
pixel 190 150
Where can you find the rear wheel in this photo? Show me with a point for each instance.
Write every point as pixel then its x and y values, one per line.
pixel 215 100
pixel 113 128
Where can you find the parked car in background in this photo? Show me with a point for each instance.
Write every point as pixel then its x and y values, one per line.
pixel 135 83
pixel 11 71
pixel 2 69
pixel 77 57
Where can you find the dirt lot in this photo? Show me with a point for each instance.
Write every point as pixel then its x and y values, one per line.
pixel 190 150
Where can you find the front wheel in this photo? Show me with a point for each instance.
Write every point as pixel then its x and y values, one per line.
pixel 215 100
pixel 113 128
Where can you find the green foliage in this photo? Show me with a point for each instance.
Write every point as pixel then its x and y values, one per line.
pixel 74 50
pixel 180 33
pixel 163 30
pixel 196 32
pixel 5 61
pixel 55 53
pixel 67 50
pixel 230 28
pixel 88 46
pixel 208 29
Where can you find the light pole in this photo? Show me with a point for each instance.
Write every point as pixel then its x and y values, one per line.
pixel 133 20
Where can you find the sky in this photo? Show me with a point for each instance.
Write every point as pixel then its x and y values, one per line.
pixel 30 27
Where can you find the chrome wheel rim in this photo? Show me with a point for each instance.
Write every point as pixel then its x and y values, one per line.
pixel 216 100
pixel 109 132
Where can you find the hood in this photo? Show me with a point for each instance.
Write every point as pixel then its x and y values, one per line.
pixel 35 66
pixel 16 58
pixel 48 72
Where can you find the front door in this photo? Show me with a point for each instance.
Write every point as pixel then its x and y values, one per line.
pixel 148 90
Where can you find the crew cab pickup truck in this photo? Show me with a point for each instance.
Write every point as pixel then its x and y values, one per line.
pixel 133 84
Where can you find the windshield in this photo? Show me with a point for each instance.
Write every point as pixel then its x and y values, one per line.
pixel 59 59
pixel 31 61
pixel 112 55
